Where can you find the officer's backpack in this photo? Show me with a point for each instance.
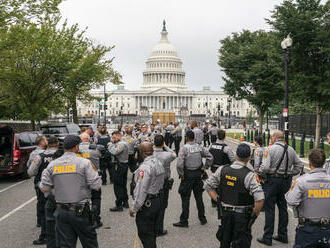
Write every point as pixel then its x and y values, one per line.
pixel 45 160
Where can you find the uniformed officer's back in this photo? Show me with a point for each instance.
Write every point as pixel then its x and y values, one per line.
pixel 310 197
pixel 72 179
pixel 279 164
pixel 239 196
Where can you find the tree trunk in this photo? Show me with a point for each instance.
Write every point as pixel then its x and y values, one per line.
pixel 318 125
pixel 33 124
pixel 74 110
pixel 261 121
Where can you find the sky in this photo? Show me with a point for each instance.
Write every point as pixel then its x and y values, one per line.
pixel 195 28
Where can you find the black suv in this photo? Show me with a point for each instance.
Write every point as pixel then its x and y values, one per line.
pixel 60 130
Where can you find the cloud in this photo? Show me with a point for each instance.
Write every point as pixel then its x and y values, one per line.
pixel 195 28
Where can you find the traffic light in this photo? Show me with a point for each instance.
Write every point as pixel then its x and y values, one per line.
pixel 218 107
pixel 105 107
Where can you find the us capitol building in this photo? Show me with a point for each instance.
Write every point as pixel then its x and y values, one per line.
pixel 164 90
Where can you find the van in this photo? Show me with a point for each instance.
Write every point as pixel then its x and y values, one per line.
pixel 15 149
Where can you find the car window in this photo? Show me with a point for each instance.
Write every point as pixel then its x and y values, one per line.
pixel 54 130
pixel 33 137
pixel 73 128
pixel 24 140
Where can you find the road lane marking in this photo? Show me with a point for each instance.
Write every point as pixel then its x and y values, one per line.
pixel 12 186
pixel 18 208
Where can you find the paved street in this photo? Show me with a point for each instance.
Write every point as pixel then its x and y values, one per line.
pixel 18 220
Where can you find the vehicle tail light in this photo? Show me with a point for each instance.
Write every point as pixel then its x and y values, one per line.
pixel 16 155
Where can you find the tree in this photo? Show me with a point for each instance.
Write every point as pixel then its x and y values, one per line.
pixel 251 63
pixel 308 22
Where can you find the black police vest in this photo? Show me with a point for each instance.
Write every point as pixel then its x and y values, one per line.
pixel 45 160
pixel 220 157
pixel 103 141
pixel 231 189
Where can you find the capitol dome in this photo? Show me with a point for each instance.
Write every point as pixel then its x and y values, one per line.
pixel 164 67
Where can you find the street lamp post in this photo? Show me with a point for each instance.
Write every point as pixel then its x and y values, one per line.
pixel 105 106
pixel 229 103
pixel 286 45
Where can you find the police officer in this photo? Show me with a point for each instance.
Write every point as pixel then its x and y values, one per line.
pixel 240 197
pixel 131 141
pixel 72 179
pixel 41 143
pixel 93 153
pixel 177 137
pixel 190 168
pixel 213 132
pixel 144 135
pixel 221 153
pixel 206 134
pixel 280 163
pixel 119 150
pixel 147 203
pixel 310 197
pixel 166 156
pixel 257 153
pixel 39 163
pixel 197 133
pixel 105 160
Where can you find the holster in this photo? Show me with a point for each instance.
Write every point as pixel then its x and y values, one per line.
pixel 51 203
pixel 220 210
pixel 170 183
pixel 253 218
pixel 132 187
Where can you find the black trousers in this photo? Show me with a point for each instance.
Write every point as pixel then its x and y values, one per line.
pixel 167 139
pixel 105 166
pixel 213 169
pixel 131 162
pixel 213 138
pixel 120 184
pixel 146 222
pixel 41 217
pixel 275 189
pixel 233 231
pixel 69 228
pixel 312 236
pixel 50 227
pixel 170 141
pixel 96 202
pixel 177 142
pixel 164 203
pixel 192 182
pixel 206 140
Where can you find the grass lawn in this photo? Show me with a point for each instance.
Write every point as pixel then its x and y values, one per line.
pixel 297 148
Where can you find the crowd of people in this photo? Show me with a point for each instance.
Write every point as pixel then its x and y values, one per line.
pixel 68 178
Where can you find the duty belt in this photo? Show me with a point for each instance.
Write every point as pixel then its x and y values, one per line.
pixel 279 176
pixel 240 210
pixel 322 222
pixel 152 196
pixel 69 206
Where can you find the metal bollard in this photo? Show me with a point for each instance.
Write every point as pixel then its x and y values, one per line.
pixel 248 135
pixel 252 140
pixel 321 144
pixel 302 146
pixel 264 138
pixel 311 144
pixel 293 141
pixel 268 137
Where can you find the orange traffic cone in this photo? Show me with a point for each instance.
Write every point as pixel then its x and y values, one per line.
pixel 242 139
pixel 235 136
pixel 270 142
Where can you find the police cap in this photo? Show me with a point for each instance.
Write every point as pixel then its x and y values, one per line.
pixel 243 151
pixel 71 141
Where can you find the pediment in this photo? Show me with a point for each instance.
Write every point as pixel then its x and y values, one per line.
pixel 162 91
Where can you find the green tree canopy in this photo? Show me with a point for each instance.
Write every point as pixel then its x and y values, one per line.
pixel 251 62
pixel 308 22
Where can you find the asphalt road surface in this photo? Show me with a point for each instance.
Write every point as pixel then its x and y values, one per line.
pixel 18 220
